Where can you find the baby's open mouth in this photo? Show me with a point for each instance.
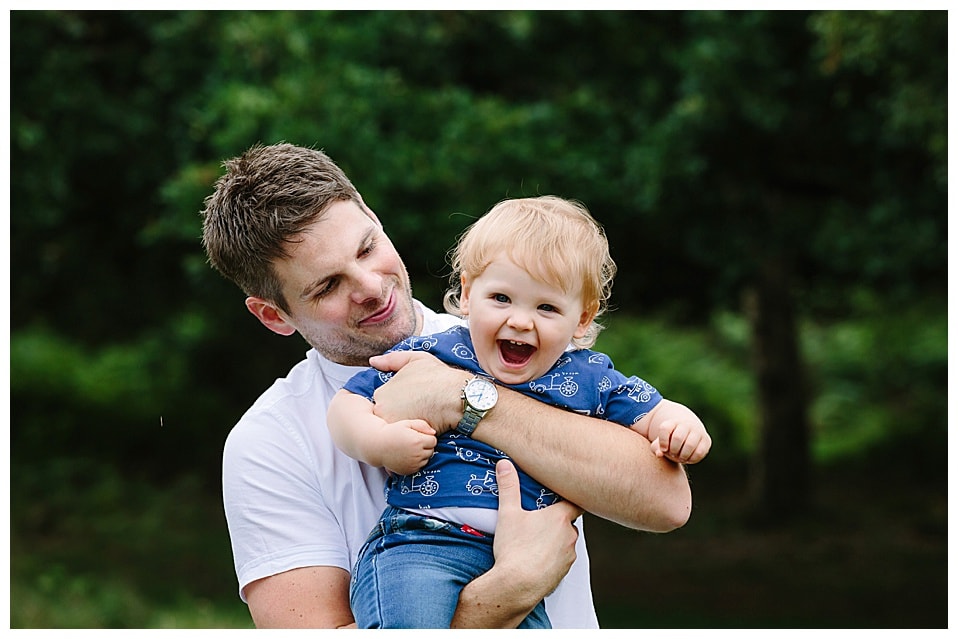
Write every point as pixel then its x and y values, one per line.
pixel 515 353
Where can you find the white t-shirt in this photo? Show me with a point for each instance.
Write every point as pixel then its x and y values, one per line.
pixel 294 500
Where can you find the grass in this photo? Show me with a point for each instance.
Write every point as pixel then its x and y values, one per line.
pixel 52 597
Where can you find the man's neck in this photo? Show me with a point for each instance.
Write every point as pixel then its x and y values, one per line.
pixel 420 320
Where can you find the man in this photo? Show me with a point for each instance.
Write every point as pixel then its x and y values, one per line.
pixel 286 225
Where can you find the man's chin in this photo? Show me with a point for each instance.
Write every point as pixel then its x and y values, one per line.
pixel 377 345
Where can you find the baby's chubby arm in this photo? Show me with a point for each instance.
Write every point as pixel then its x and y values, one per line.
pixel 676 433
pixel 402 447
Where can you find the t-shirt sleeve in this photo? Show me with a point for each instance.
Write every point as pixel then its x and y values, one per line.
pixel 626 399
pixel 277 517
pixel 365 383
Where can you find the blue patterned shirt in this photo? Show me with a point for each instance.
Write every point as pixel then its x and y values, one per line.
pixel 462 470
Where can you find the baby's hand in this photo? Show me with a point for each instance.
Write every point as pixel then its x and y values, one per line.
pixel 408 445
pixel 683 441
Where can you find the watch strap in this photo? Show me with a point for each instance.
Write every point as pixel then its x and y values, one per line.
pixel 470 419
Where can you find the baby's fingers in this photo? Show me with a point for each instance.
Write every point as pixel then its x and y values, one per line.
pixel 657 449
pixel 691 449
pixel 700 450
pixel 422 426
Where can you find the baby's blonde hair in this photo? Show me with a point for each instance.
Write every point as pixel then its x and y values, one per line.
pixel 556 240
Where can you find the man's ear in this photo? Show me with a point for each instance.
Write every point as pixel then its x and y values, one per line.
pixel 272 318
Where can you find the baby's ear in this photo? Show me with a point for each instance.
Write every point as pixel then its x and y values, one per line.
pixel 465 289
pixel 585 320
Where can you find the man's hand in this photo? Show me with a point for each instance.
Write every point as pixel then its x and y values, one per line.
pixel 538 545
pixel 605 468
pixel 533 549
pixel 421 388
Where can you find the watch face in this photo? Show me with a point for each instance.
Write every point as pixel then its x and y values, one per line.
pixel 481 394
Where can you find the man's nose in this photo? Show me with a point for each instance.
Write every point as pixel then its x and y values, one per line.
pixel 369 285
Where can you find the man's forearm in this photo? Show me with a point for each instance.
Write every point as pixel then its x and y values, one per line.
pixel 488 602
pixel 605 468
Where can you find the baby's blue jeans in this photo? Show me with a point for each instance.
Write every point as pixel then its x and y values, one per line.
pixel 411 569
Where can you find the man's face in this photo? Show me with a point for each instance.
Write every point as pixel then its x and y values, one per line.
pixel 347 288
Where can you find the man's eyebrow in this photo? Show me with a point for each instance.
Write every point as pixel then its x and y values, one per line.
pixel 309 288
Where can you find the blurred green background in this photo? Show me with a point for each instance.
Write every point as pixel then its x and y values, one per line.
pixel 774 187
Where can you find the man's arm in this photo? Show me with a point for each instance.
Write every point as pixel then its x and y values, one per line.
pixel 534 550
pixel 603 467
pixel 312 597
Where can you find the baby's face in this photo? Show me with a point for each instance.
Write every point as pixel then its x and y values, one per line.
pixel 520 326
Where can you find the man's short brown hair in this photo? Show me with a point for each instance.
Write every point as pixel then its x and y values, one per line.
pixel 268 196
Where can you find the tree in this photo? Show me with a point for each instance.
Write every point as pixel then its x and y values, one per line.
pixel 771 159
pixel 800 153
pixel 799 143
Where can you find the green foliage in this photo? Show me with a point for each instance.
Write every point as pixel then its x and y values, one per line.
pixel 893 44
pixel 156 405
pixel 817 135
pixel 92 548
pixel 705 369
pixel 899 396
pixel 704 141
pixel 858 411
pixel 94 116
pixel 51 597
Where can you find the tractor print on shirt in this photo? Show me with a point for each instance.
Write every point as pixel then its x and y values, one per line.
pixel 546 498
pixel 423 483
pixel 562 382
pixel 639 390
pixel 477 485
pixel 467 454
pixel 426 343
pixel 598 359
pixel 604 384
pixel 463 352
pixel 416 343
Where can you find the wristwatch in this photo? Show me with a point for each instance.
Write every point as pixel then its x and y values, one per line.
pixel 479 396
